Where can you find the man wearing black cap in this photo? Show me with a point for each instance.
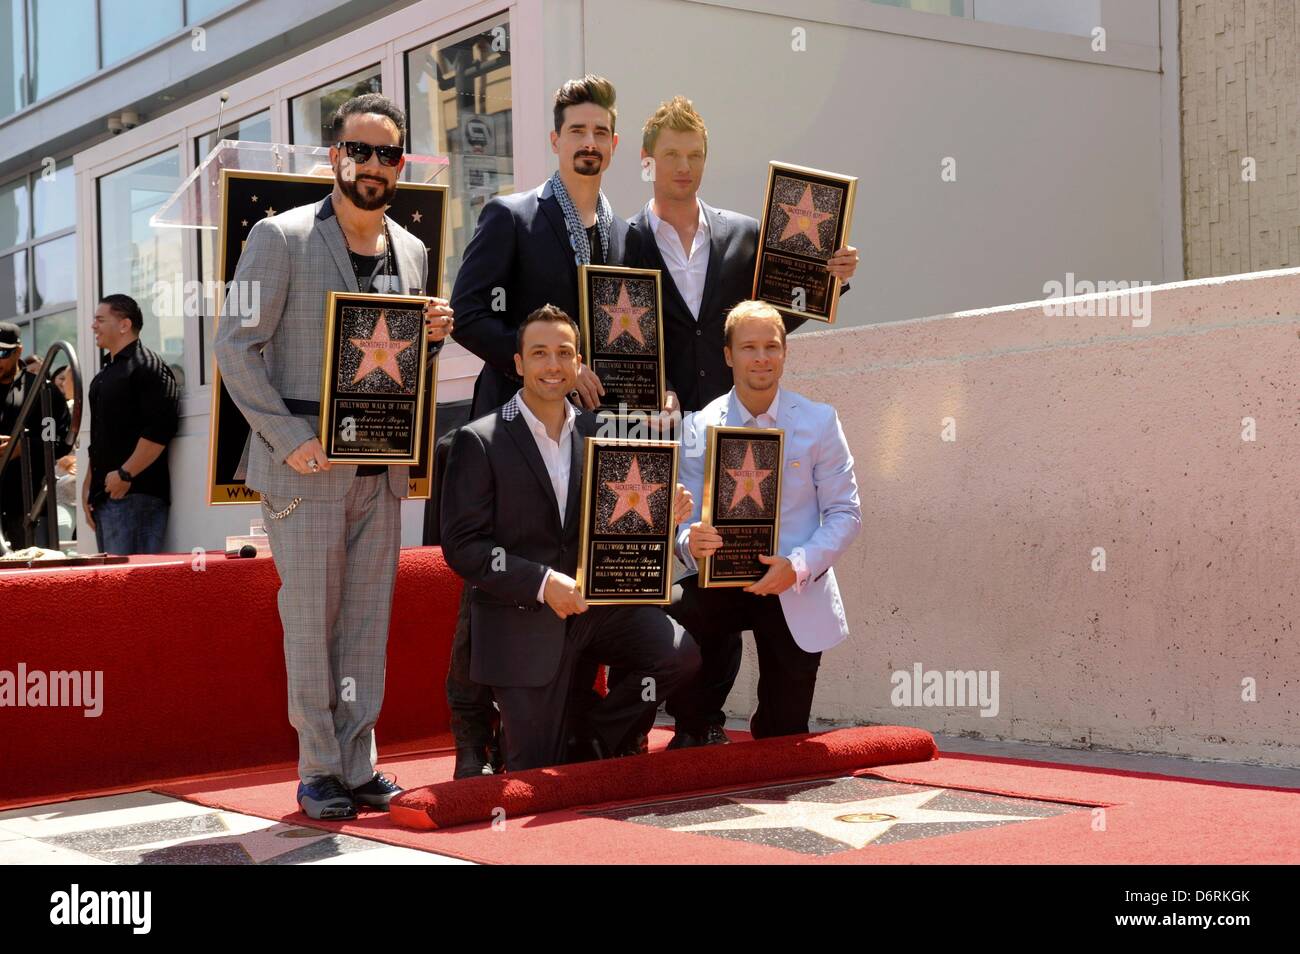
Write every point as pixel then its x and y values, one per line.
pixel 134 413
pixel 16 382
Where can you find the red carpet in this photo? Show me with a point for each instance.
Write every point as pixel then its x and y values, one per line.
pixel 533 792
pixel 1148 820
pixel 193 670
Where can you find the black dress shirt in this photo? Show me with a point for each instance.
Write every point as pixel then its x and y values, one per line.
pixel 133 396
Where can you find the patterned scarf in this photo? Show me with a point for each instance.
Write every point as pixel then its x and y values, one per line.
pixel 577 231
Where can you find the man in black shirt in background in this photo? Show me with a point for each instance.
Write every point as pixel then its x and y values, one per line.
pixel 134 413
pixel 16 382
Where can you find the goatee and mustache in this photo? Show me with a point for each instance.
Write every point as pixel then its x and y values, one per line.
pixel 367 201
pixel 583 169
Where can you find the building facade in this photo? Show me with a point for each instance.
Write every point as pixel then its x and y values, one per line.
pixel 1001 145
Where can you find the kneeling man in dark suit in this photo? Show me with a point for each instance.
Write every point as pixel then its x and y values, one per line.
pixel 511 506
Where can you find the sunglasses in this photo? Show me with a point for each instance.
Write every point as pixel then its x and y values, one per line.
pixel 359 152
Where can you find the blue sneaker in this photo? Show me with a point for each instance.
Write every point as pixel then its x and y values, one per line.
pixel 377 792
pixel 326 799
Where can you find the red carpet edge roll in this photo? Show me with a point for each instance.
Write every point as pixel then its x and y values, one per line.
pixel 659 775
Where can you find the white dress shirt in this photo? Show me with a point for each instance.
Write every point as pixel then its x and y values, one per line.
pixel 798 559
pixel 556 455
pixel 688 269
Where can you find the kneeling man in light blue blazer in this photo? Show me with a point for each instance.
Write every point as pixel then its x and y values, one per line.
pixel 794 611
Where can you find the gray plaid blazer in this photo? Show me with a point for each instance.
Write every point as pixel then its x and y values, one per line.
pixel 296 257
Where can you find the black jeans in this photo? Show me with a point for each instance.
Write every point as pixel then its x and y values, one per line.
pixel 787 675
pixel 473 716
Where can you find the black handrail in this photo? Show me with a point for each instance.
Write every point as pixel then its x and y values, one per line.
pixel 46 497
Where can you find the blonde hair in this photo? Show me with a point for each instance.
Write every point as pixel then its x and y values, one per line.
pixel 677 114
pixel 752 309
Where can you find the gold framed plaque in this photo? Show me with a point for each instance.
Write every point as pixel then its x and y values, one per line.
pixel 626 536
pixel 248 196
pixel 742 501
pixel 620 313
pixel 806 216
pixel 375 379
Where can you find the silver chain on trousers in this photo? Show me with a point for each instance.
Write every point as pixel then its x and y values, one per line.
pixel 280 514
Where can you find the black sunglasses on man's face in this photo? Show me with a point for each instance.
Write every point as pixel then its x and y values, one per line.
pixel 359 152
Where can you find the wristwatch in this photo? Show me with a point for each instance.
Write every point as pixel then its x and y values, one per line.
pixel 125 474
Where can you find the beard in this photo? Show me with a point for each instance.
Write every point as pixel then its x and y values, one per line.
pixel 581 167
pixel 366 203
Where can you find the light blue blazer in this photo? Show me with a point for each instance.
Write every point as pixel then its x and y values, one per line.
pixel 820 511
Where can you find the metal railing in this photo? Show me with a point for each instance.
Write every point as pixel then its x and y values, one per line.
pixel 44 393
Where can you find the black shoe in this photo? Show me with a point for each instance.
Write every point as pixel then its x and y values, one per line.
pixel 471 762
pixel 682 739
pixel 326 799
pixel 377 792
pixel 715 735
pixel 585 748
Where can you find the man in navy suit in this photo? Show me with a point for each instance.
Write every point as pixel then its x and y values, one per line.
pixel 525 254
pixel 707 257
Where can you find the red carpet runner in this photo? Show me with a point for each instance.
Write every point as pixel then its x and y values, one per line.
pixel 447 804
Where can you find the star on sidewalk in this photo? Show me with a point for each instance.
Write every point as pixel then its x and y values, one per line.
pixel 380 351
pixel 633 494
pixel 804 219
pixel 853 824
pixel 625 318
pixel 748 478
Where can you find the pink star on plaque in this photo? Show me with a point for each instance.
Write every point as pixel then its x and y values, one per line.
pixel 380 351
pixel 804 219
pixel 749 479
pixel 633 494
pixel 625 318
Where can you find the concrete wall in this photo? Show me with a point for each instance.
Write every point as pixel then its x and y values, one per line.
pixel 1061 159
pixel 1240 62
pixel 1074 433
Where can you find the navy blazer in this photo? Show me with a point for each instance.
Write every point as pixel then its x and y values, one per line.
pixel 521 246
pixel 696 367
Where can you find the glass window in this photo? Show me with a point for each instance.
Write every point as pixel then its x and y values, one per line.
pixel 1060 16
pixel 13 213
pixel 13 285
pixel 956 8
pixel 458 91
pixel 54 198
pixel 256 128
pixel 55 271
pixel 61 326
pixel 196 11
pixel 62 43
pixel 137 259
pixel 128 26
pixel 313 111
pixel 13 68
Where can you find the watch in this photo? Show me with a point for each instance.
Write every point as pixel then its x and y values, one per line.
pixel 125 474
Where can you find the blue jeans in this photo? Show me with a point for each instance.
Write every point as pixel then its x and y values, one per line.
pixel 134 524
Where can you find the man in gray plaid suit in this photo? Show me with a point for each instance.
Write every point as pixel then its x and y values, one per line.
pixel 335 531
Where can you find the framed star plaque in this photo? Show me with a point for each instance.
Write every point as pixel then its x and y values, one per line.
pixel 806 216
pixel 375 380
pixel 742 501
pixel 621 316
pixel 626 536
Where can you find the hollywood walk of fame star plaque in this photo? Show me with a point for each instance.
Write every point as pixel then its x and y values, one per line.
pixel 620 314
pixel 626 552
pixel 246 196
pixel 742 501
pixel 806 216
pixel 374 389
